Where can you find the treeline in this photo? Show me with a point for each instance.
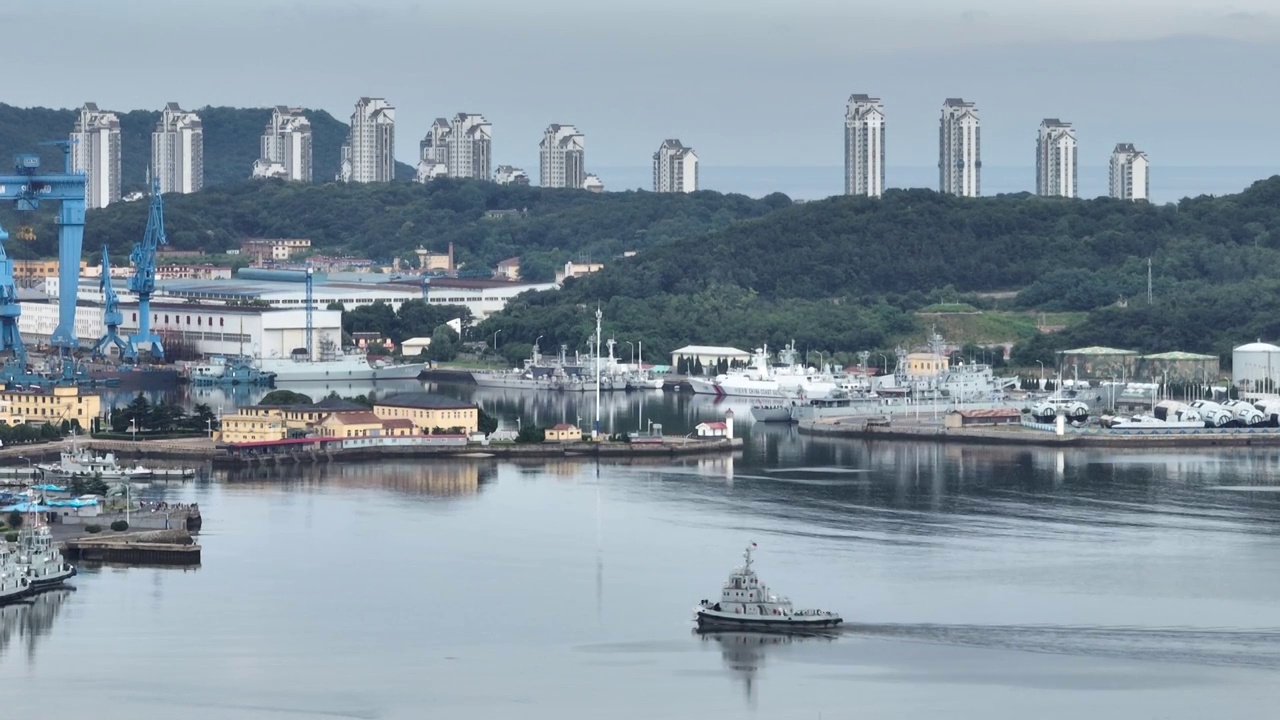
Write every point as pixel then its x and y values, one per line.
pixel 387 220
pixel 231 141
pixel 846 273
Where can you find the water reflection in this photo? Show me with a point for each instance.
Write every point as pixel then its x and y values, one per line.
pixel 744 652
pixel 28 621
pixel 437 478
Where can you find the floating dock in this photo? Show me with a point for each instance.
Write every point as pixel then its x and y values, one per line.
pixel 170 547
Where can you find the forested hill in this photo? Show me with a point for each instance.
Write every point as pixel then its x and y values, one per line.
pixel 1215 262
pixel 386 220
pixel 231 141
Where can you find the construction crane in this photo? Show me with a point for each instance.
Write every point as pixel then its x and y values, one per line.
pixel 111 315
pixel 143 281
pixel 29 188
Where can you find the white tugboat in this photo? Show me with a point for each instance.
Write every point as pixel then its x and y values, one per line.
pixel 44 565
pixel 13 577
pixel 746 604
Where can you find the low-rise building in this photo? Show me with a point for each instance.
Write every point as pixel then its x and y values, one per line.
pixel 49 405
pixel 434 262
pixel 563 433
pixel 414 346
pixel 577 269
pixel 708 356
pixel 350 424
pixel 27 273
pixel 508 269
pixel 202 271
pixel 245 427
pixel 981 417
pixel 711 430
pixel 273 249
pixel 927 364
pixel 483 297
pixel 260 423
pixel 429 412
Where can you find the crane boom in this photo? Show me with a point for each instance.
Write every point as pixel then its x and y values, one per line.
pixel 143 281
pixel 112 318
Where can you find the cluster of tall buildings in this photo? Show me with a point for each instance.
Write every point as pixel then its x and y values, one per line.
pixel 177 152
pixel 285 148
pixel 960 154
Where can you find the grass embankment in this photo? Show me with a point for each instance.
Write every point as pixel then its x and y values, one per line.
pixel 970 325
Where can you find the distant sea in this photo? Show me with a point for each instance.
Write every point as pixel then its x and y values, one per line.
pixel 1168 184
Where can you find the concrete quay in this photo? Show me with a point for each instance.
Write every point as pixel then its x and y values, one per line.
pixel 158 547
pixel 1041 435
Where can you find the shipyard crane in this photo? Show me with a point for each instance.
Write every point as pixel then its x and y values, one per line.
pixel 143 281
pixel 28 187
pixel 111 315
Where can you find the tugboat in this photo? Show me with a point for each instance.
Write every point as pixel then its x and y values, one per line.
pixel 746 604
pixel 45 567
pixel 13 577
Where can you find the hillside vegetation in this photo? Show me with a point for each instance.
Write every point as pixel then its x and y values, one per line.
pixel 231 141
pixel 836 274
pixel 387 220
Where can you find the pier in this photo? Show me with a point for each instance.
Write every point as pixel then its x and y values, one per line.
pixel 173 547
pixel 1037 434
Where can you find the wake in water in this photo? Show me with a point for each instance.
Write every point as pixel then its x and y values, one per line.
pixel 1234 647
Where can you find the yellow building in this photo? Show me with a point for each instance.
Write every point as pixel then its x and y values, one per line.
pixel 563 433
pixel 49 406
pixel 27 273
pixel 246 427
pixel 351 425
pixel 573 269
pixel 429 411
pixel 927 364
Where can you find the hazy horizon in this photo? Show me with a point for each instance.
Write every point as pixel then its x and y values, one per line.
pixel 747 84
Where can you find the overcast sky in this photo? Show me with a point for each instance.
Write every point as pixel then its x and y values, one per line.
pixel 745 82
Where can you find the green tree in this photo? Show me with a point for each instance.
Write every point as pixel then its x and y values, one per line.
pixel 444 344
pixel 285 397
pixel 486 423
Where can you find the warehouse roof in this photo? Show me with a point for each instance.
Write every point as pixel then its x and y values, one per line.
pixel 710 350
pixel 1178 355
pixel 1097 350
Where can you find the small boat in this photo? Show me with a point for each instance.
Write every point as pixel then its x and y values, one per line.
pixel 234 370
pixel 746 604
pixel 14 584
pixel 44 565
pixel 84 464
pixel 775 412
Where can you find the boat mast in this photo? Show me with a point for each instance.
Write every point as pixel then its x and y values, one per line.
pixel 596 432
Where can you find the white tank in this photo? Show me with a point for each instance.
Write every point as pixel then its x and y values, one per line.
pixel 1270 409
pixel 1253 363
pixel 1167 409
pixel 1214 414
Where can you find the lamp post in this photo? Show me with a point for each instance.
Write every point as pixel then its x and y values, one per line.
pixel 1041 364
pixel 536 344
pixel 209 422
pixel 495 340
pixel 133 428
pixel 633 351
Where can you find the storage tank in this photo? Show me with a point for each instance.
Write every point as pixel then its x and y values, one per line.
pixel 1256 367
pixel 1270 408
pixel 1167 409
pixel 1246 415
pixel 1214 414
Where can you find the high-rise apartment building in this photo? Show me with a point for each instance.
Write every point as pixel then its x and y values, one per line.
pixel 959 149
pixel 1130 176
pixel 461 149
pixel 285 146
pixel 470 146
pixel 177 151
pixel 562 157
pixel 675 168
pixel 1056 159
pixel 95 151
pixel 864 146
pixel 433 152
pixel 369 154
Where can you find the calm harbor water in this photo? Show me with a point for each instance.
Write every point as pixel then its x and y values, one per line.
pixel 977 582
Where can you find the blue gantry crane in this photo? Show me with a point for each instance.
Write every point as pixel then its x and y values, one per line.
pixel 28 187
pixel 143 281
pixel 111 316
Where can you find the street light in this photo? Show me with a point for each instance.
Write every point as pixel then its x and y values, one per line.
pixel 495 339
pixel 633 351
pixel 133 428
pixel 1041 364
pixel 536 343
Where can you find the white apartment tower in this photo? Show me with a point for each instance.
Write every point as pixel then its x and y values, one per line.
pixel 433 152
pixel 562 157
pixel 1056 159
pixel 864 146
pixel 177 151
pixel 95 151
pixel 1130 179
pixel 959 149
pixel 470 146
pixel 675 168
pixel 509 175
pixel 369 152
pixel 285 146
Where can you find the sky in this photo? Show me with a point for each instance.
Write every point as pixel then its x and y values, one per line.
pixel 745 82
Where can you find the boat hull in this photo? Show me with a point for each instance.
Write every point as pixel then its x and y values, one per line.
pixel 772 414
pixel 52 580
pixel 319 372
pixel 713 620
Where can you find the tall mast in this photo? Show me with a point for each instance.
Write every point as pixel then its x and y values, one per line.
pixel 596 432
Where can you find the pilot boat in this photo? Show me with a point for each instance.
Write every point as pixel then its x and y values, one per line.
pixel 746 603
pixel 43 562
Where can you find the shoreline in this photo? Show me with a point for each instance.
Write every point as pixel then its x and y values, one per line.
pixel 856 427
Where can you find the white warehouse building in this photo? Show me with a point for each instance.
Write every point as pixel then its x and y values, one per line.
pixel 208 329
pixel 1252 365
